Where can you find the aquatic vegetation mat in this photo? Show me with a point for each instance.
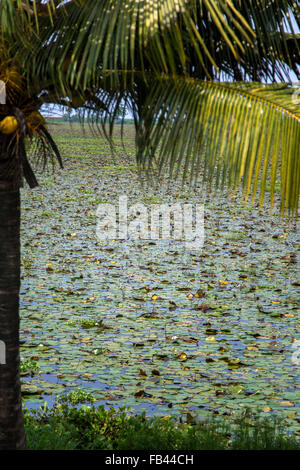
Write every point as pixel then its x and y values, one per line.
pixel 147 323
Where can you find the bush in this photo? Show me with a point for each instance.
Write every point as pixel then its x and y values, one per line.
pixel 90 428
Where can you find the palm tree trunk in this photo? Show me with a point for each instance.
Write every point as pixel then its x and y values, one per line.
pixel 12 433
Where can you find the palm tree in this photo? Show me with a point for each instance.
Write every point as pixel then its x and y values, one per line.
pixel 20 119
pixel 194 69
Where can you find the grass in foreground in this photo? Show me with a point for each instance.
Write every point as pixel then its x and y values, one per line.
pixel 89 428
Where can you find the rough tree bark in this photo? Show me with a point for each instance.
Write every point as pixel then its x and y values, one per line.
pixel 12 432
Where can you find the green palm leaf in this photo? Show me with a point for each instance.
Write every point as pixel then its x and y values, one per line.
pixel 195 37
pixel 240 134
pixel 107 35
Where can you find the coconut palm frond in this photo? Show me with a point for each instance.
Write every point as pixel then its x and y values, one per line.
pixel 269 56
pixel 19 15
pixel 43 150
pixel 236 134
pixel 290 54
pixel 268 17
pixel 134 36
pixel 201 38
pixel 82 40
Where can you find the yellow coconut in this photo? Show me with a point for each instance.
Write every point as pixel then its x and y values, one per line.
pixel 8 125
